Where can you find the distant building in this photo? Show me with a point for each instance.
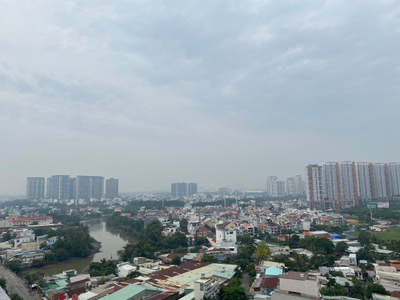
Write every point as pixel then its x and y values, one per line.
pixel 280 185
pixel 348 180
pixel 365 180
pixel 183 189
pixel 381 181
pixel 111 188
pixel 35 188
pixel 272 186
pixel 331 177
pixel 89 187
pixel 315 187
pixel 224 191
pixel 294 185
pixel 58 187
pixel 394 169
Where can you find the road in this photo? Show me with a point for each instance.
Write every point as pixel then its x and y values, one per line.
pixel 245 282
pixel 14 285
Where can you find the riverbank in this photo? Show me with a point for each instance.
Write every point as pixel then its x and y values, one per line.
pixel 79 261
pixel 107 242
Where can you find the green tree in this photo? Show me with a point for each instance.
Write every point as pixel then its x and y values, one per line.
pixel 15 296
pixel 262 252
pixel 209 258
pixel 251 270
pixel 183 225
pixel 341 247
pixel 7 236
pixel 62 254
pixel 180 249
pixel 3 282
pixel 176 261
pixel 233 293
pixel 14 265
pixel 364 238
pixel 34 276
pixel 294 241
pixel 375 288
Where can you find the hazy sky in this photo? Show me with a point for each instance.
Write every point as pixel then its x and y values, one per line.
pixel 222 93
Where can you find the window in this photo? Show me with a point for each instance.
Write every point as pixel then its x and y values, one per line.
pixel 201 287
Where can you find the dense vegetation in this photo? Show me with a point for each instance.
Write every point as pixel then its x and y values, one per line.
pixel 102 268
pixel 152 242
pixel 129 226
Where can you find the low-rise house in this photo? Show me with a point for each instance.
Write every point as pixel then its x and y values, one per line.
pixel 264 286
pixel 296 285
pixel 51 241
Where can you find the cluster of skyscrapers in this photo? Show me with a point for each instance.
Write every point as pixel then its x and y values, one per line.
pixel 183 189
pixel 291 186
pixel 64 187
pixel 337 184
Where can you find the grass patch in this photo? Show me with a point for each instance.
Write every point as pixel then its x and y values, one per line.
pixel 393 234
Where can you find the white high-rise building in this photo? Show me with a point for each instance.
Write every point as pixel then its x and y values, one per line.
pixel 111 188
pixel 35 188
pixel 394 169
pixel 314 187
pixel 272 186
pixel 280 186
pixel 294 185
pixel 365 180
pixel 348 180
pixel 380 180
pixel 331 177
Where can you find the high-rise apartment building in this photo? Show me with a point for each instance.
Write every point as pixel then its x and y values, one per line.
pixel 192 189
pixel 294 185
pixel 89 187
pixel 183 189
pixel 365 180
pixel 97 187
pixel 272 186
pixel 83 187
pixel 394 169
pixel 72 188
pixel 111 188
pixel 58 187
pixel 280 186
pixel 348 180
pixel 35 188
pixel 315 187
pixel 381 179
pixel 331 177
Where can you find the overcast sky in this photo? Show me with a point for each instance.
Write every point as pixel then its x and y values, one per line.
pixel 222 93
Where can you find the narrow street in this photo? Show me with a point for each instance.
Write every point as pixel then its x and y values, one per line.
pixel 14 285
pixel 245 282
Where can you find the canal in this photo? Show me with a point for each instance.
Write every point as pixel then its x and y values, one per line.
pixel 111 240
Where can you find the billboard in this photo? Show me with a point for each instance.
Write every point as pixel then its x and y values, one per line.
pixel 371 205
pixel 383 204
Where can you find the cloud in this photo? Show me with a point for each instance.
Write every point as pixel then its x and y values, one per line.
pixel 179 89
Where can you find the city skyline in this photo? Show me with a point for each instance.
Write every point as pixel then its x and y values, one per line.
pixel 225 95
pixel 287 183
pixel 65 187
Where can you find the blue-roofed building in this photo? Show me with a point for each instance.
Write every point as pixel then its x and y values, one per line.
pixel 52 240
pixel 335 236
pixel 273 271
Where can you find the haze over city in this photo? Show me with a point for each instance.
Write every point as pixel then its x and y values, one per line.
pixel 223 94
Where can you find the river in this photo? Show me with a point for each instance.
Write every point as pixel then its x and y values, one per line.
pixel 111 240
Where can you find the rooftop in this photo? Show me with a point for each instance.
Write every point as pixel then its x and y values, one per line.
pixel 296 276
pixel 129 292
